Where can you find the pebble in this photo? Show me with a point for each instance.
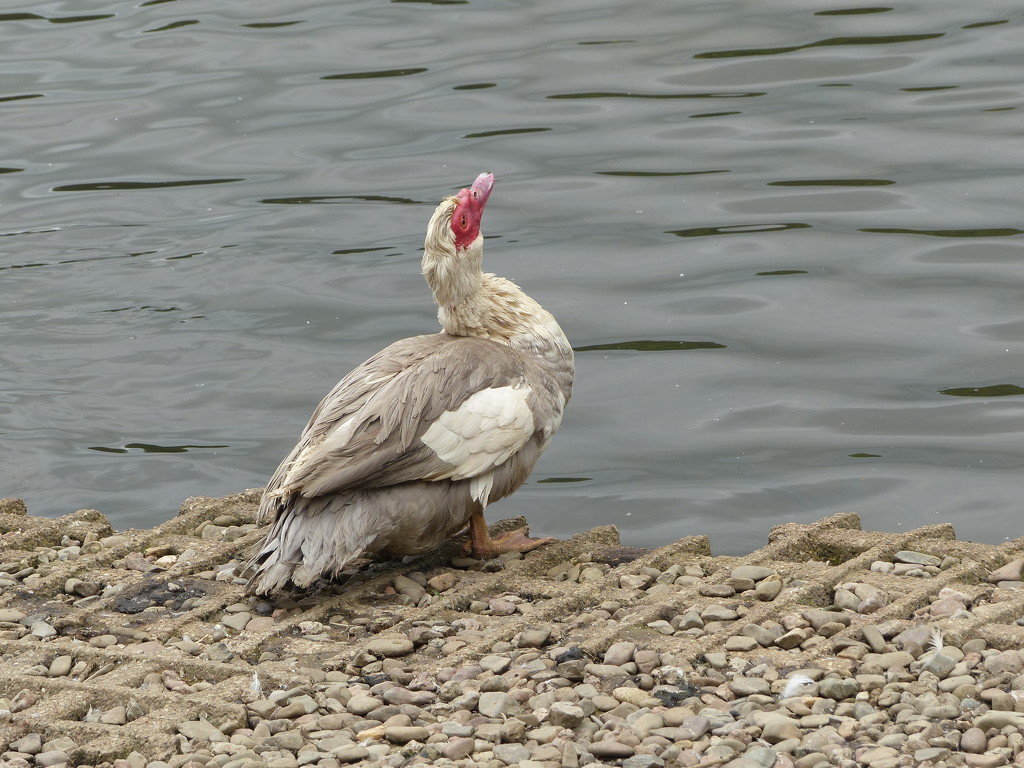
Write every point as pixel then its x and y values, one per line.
pixel 390 647
pixel 403 734
pixel 485 684
pixel 29 744
pixel 916 558
pixel 511 754
pixel 52 757
pixel 42 630
pixel 1012 571
pixel 349 753
pixel 612 750
pixel 718 613
pixel 496 704
pixel 752 572
pixel 974 740
pixel 769 589
pixel 533 638
pixel 236 621
pixel 565 714
pixel 363 705
pixel 619 653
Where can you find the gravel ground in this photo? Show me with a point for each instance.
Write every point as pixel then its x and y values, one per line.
pixel 830 646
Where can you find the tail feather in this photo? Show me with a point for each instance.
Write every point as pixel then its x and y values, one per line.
pixel 309 538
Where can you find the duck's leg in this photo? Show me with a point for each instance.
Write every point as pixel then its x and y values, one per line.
pixel 481 544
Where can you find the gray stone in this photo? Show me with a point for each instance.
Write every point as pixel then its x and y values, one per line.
pixel 739 584
pixel 890 660
pixel 643 761
pixel 613 750
pixel 495 664
pixel 793 638
pixel 61 666
pixel 837 688
pixel 946 606
pixel 716 590
pixel 1012 571
pixel 54 757
pixel 916 558
pixel 741 643
pixel 689 620
pixel 645 723
pixel 350 753
pixel 219 652
pixel 941 711
pixel 1005 662
pixel 939 665
pixel 619 653
pixel 818 617
pixel 845 599
pixel 718 613
pixel 748 686
pixel 762 756
pixel 999 719
pixel 762 635
pixel 459 748
pixel 199 730
pixel 362 704
pixel 236 621
pixel 400 696
pixel 779 729
pixel 496 704
pixel 534 638
pixel 511 754
pixel 878 756
pixel 403 734
pixel 390 647
pixel 29 744
pixel 716 659
pixel 768 589
pixel 406 586
pixel 974 741
pixel 873 638
pixel 693 728
pixel 41 629
pixel 565 714
pixel 752 572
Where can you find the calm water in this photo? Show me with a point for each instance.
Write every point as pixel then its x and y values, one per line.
pixel 786 238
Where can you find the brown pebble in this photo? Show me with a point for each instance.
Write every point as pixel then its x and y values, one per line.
pixel 974 741
pixel 613 750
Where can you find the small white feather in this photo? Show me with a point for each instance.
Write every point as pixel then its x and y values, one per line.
pixel 254 685
pixel 794 684
pixel 936 641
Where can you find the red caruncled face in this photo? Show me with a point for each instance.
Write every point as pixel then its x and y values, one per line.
pixel 470 209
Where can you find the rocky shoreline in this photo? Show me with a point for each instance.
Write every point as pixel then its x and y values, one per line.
pixel 830 646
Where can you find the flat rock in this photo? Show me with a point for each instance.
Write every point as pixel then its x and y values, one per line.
pixel 612 750
pixel 1012 571
pixel 496 704
pixel 916 558
pixel 403 734
pixel 752 572
pixel 349 753
pixel 390 647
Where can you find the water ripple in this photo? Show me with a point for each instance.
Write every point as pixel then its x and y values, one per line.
pixel 830 42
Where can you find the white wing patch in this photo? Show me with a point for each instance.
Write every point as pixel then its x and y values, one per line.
pixel 482 433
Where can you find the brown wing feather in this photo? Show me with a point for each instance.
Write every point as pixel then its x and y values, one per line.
pixel 392 399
